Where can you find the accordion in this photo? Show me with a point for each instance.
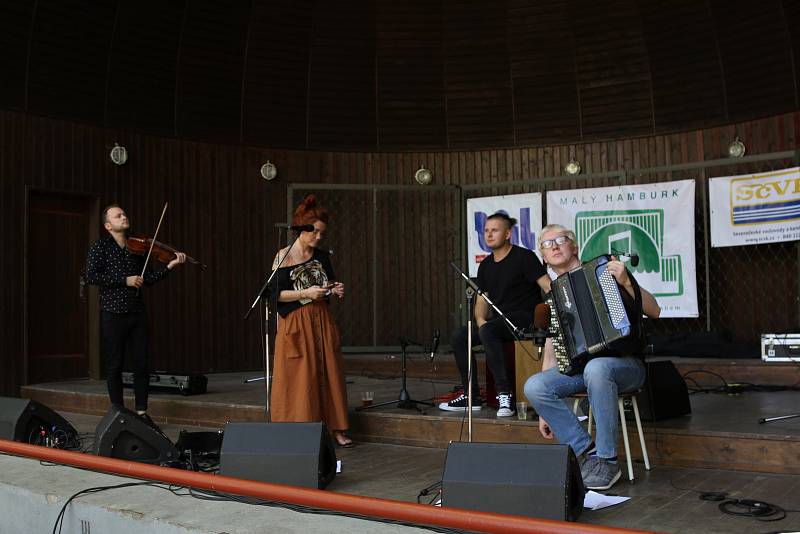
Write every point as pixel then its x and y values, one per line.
pixel 596 316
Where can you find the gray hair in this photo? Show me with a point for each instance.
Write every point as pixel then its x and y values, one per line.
pixel 556 228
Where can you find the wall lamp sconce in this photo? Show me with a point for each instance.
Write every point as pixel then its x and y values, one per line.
pixel 573 167
pixel 118 155
pixel 736 149
pixel 269 171
pixel 423 176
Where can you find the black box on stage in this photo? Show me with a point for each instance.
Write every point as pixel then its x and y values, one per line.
pixel 123 434
pixel 184 384
pixel 26 421
pixel 297 454
pixel 542 481
pixel 664 394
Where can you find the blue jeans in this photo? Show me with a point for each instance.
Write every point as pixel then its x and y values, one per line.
pixel 602 379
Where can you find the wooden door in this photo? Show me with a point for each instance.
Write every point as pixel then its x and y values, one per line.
pixel 58 321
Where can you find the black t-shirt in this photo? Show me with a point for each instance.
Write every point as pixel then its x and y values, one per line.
pixel 317 271
pixel 511 283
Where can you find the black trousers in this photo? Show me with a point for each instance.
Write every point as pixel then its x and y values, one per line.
pixel 491 335
pixel 126 334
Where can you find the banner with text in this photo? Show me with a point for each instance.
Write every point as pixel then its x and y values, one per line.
pixel 634 220
pixel 750 209
pixel 526 208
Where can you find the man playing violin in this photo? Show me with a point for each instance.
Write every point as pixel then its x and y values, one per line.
pixel 118 273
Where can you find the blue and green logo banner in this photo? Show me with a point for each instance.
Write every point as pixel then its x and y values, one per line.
pixel 526 208
pixel 653 221
pixel 751 209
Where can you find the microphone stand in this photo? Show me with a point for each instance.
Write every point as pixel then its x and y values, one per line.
pixel 263 295
pixel 473 288
pixel 403 400
pixel 470 293
pixel 518 332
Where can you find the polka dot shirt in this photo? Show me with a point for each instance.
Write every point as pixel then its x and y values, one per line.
pixel 108 265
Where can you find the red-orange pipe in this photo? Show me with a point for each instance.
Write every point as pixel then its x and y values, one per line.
pixel 365 506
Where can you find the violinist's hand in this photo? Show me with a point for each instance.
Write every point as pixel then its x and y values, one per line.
pixel 617 269
pixel 544 429
pixel 134 281
pixel 313 293
pixel 338 289
pixel 180 257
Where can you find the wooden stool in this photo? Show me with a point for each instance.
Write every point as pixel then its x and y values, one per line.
pixel 621 404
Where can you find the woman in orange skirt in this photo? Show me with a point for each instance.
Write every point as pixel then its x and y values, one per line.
pixel 308 383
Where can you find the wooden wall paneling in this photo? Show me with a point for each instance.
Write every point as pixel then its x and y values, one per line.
pixel 684 63
pixel 17 18
pixel 767 53
pixel 543 75
pixel 342 91
pixel 210 70
pixel 70 80
pixel 613 72
pixel 409 77
pixel 276 76
pixel 478 76
pixel 142 68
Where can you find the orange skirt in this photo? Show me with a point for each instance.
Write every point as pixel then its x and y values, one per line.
pixel 308 377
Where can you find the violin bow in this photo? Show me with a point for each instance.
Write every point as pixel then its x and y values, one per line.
pixel 153 242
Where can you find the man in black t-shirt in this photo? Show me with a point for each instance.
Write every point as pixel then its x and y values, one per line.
pixel 511 277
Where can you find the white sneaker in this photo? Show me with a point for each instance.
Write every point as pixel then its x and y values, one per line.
pixel 504 408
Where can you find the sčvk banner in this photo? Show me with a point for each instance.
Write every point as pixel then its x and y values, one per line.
pixel 653 221
pixel 751 209
pixel 526 208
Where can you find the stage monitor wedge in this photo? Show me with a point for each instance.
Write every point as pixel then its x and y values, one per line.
pixel 124 435
pixel 296 454
pixel 28 421
pixel 542 481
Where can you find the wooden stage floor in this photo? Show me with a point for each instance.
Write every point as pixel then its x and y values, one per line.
pixel 719 447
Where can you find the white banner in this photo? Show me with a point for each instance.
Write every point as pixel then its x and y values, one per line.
pixel 526 208
pixel 654 221
pixel 755 208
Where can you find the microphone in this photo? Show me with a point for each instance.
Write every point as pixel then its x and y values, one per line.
pixel 435 345
pixel 541 326
pixel 302 227
pixel 633 257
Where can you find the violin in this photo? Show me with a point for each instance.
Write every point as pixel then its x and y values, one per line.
pixel 139 244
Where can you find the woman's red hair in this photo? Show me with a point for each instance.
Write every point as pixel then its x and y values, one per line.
pixel 309 211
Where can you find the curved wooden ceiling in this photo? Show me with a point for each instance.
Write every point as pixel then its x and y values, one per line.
pixel 387 75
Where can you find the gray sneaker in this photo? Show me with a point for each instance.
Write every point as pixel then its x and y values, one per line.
pixel 587 464
pixel 600 474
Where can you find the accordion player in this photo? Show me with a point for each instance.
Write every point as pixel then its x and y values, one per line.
pixel 597 316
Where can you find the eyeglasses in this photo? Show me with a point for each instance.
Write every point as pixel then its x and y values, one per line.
pixel 560 240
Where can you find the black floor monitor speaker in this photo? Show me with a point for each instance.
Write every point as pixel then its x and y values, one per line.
pixel 29 421
pixel 123 434
pixel 542 481
pixel 297 454
pixel 664 394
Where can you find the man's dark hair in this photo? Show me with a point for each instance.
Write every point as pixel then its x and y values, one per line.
pixel 510 221
pixel 105 211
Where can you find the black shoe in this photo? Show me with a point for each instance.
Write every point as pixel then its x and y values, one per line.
pixel 459 404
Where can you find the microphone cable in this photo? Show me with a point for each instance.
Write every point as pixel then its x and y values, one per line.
pixel 763 511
